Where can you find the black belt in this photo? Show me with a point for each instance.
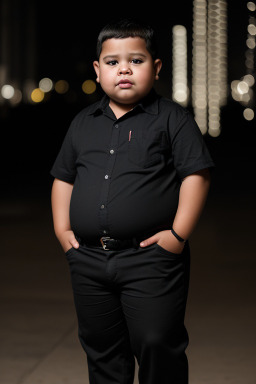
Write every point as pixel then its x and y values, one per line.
pixel 108 243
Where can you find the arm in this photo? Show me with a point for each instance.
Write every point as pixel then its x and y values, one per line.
pixel 61 195
pixel 192 197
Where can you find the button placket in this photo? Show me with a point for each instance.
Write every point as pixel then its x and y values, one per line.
pixel 103 211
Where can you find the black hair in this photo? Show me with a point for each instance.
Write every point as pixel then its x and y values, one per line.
pixel 124 28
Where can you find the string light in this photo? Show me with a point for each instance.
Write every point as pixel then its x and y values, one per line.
pixel 242 90
pixel 217 63
pixel 33 94
pixel 199 64
pixel 209 63
pixel 179 65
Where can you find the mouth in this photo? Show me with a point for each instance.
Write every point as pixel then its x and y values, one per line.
pixel 125 83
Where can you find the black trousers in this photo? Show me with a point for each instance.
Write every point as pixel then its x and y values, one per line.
pixel 132 303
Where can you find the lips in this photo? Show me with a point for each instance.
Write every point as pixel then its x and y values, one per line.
pixel 125 83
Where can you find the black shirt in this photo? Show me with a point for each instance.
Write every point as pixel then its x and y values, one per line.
pixel 127 172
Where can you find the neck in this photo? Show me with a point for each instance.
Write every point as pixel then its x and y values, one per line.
pixel 120 109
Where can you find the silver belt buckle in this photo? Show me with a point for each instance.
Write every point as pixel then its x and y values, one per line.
pixel 102 240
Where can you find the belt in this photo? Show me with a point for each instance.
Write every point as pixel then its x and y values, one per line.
pixel 108 243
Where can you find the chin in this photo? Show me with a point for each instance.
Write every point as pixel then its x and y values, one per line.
pixel 127 100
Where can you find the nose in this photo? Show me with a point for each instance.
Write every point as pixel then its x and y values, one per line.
pixel 124 70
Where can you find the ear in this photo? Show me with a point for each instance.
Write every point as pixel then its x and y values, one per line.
pixel 157 66
pixel 96 67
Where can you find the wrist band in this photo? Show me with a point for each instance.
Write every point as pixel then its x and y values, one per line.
pixel 177 236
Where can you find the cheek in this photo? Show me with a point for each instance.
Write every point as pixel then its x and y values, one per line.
pixel 146 78
pixel 107 77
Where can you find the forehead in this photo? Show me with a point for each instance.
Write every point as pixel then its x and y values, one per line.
pixel 122 46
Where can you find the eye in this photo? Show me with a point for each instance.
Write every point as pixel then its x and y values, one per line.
pixel 112 62
pixel 137 61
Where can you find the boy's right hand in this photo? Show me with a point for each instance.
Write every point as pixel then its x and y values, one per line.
pixel 67 240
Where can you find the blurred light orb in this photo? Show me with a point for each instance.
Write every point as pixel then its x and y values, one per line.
pixel 249 64
pixel 46 84
pixel 248 114
pixel 37 95
pixel 252 29
pixel 88 87
pixel 61 86
pixel 17 97
pixel 179 30
pixel 251 6
pixel 250 43
pixel 7 91
pixel 214 132
pixel 245 98
pixel 180 95
pixel 249 79
pixel 242 87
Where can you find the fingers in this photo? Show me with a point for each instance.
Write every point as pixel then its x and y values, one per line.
pixel 149 241
pixel 67 239
pixel 74 242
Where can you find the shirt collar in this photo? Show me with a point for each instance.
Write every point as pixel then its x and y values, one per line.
pixel 149 104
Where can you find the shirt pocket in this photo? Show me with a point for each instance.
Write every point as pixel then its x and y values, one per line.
pixel 146 150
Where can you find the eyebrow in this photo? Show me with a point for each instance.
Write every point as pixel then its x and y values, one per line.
pixel 130 54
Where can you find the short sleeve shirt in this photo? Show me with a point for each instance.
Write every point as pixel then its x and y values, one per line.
pixel 127 172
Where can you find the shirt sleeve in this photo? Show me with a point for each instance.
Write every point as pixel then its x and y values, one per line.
pixel 64 167
pixel 190 152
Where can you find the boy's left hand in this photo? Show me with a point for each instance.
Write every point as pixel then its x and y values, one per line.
pixel 166 240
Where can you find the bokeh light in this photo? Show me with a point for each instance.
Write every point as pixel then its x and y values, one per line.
pixel 179 65
pixel 61 86
pixel 17 97
pixel 37 95
pixel 199 64
pixel 248 114
pixel 7 91
pixel 251 6
pixel 209 63
pixel 242 90
pixel 242 87
pixel 46 84
pixel 89 87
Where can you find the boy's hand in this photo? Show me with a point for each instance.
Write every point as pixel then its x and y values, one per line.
pixel 67 240
pixel 166 240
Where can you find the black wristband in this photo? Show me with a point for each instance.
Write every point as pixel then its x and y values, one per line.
pixel 177 236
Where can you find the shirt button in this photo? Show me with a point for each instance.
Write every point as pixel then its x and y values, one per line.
pixel 102 206
pixel 104 231
pixel 116 125
pixel 112 151
pixel 106 177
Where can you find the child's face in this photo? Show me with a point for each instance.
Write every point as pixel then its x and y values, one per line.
pixel 126 70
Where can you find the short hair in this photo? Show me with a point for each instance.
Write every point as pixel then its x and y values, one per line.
pixel 124 28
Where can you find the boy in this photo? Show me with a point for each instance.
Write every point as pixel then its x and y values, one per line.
pixel 131 180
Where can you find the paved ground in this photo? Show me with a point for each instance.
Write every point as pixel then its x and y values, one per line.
pixel 38 331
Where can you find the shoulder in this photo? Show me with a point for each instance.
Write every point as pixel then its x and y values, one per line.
pixel 179 118
pixel 85 113
pixel 174 110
